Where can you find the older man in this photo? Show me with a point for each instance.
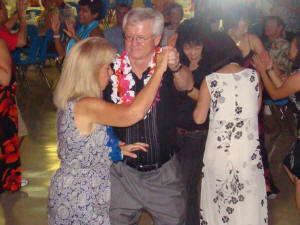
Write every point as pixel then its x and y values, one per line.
pixel 152 181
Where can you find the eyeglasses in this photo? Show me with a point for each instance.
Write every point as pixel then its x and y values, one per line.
pixel 140 39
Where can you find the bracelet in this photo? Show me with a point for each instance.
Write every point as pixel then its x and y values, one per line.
pixel 189 91
pixel 179 68
pixel 56 36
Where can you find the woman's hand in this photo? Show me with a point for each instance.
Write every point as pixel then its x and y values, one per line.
pixel 70 31
pixel 128 149
pixel 266 59
pixel 258 64
pixel 55 23
pixel 162 60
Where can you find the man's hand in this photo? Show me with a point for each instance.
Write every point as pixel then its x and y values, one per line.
pixel 128 149
pixel 173 59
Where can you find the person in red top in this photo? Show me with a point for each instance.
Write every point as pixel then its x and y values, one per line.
pixel 18 39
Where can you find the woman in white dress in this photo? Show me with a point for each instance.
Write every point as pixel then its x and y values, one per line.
pixel 233 187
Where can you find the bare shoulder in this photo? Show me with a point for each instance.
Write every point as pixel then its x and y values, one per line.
pixel 296 75
pixel 86 103
pixel 97 33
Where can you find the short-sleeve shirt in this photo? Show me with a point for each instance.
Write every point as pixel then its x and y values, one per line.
pixel 10 39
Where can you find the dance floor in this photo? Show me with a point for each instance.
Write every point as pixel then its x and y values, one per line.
pixel 39 161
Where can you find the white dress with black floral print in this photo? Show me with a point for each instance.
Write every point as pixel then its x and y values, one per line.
pixel 233 187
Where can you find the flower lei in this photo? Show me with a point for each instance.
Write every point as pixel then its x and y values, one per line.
pixel 122 80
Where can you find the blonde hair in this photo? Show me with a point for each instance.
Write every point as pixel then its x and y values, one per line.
pixel 80 71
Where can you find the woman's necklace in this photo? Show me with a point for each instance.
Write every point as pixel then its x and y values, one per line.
pixel 235 38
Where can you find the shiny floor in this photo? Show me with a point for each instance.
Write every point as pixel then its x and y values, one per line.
pixel 39 161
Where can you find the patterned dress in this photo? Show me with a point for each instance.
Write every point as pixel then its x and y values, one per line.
pixel 80 189
pixel 233 187
pixel 10 166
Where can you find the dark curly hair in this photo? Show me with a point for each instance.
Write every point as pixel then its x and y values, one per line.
pixel 190 32
pixel 95 6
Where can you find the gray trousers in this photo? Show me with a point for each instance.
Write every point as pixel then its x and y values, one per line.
pixel 161 192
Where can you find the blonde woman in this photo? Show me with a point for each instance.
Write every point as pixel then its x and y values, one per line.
pixel 80 188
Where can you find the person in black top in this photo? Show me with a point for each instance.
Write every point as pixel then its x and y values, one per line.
pixel 152 181
pixel 191 137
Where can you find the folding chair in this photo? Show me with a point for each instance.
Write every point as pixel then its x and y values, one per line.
pixel 36 55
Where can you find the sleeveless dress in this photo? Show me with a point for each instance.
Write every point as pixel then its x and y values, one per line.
pixel 80 189
pixel 233 186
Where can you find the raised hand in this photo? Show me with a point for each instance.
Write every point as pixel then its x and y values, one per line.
pixel 266 59
pixel 172 40
pixel 162 59
pixel 55 23
pixel 258 64
pixel 173 58
pixel 21 8
pixel 70 31
pixel 128 149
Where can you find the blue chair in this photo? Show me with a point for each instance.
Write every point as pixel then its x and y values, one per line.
pixel 49 38
pixel 36 55
pixel 32 30
pixel 33 11
pixel 31 14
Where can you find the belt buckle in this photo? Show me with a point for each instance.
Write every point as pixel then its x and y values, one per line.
pixel 146 168
pixel 182 131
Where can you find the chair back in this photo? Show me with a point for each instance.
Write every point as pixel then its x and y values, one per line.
pixel 48 39
pixel 31 15
pixel 32 31
pixel 34 53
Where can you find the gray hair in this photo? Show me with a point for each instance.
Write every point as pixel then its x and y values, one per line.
pixel 137 15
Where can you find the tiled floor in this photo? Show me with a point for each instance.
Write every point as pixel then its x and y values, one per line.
pixel 39 161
